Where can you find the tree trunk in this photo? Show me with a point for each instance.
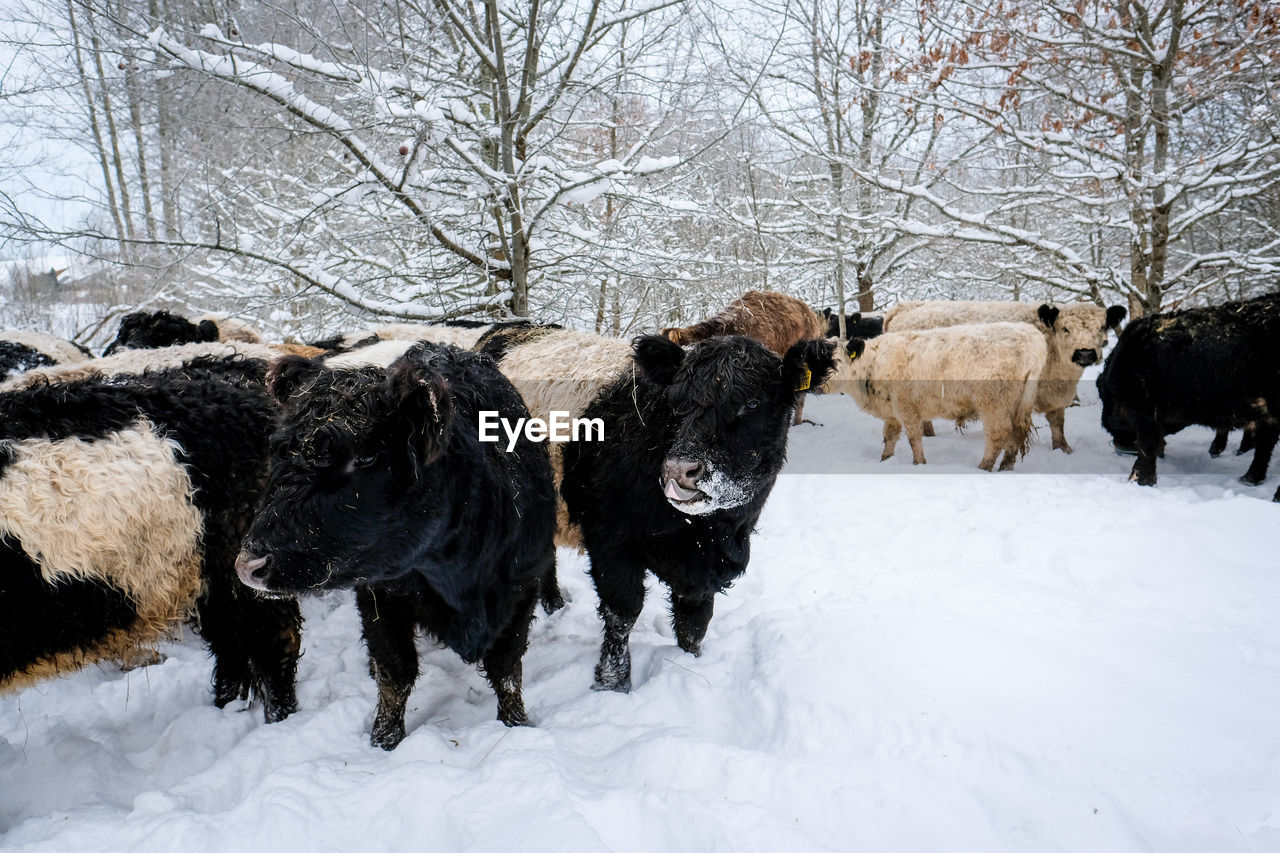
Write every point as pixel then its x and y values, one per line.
pixel 96 128
pixel 112 135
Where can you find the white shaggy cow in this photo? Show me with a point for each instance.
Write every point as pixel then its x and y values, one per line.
pixel 132 361
pixel 459 333
pixel 1075 334
pixel 984 371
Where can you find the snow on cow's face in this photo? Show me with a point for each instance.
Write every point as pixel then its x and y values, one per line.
pixel 732 401
pixel 350 446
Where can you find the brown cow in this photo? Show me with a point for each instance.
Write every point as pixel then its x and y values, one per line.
pixel 774 319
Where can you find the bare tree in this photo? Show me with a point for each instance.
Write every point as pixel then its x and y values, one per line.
pixel 1151 118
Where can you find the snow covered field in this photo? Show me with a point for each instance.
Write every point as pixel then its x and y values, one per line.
pixel 918 659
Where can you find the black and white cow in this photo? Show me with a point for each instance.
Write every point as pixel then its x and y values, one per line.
pixel 122 504
pixel 693 442
pixel 379 482
pixel 22 350
pixel 1210 366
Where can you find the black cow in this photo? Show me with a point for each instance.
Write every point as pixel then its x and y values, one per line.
pixel 149 330
pixel 855 325
pixel 1211 366
pixel 694 440
pixel 142 487
pixel 379 482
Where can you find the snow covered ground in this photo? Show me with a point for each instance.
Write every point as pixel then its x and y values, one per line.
pixel 918 659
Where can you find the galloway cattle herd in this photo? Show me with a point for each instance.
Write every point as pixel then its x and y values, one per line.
pixel 194 473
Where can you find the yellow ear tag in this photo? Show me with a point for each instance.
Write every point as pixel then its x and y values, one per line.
pixel 808 378
pixel 852 356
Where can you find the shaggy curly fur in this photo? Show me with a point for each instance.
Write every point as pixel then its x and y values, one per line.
pixel 23 350
pixel 986 371
pixel 693 443
pixel 1075 333
pixel 1210 366
pixel 122 503
pixel 378 482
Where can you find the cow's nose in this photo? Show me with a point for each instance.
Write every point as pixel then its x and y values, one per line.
pixel 253 569
pixel 1085 357
pixel 684 472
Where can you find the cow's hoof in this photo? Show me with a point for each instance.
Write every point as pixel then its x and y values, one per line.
pixel 552 600
pixel 514 717
pixel 275 711
pixel 387 736
pixel 1250 480
pixel 617 685
pixel 694 649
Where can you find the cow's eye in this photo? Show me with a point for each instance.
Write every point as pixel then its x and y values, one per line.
pixel 364 461
pixel 752 405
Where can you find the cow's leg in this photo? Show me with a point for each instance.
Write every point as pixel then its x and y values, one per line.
pixel 1014 440
pixel 502 663
pixel 996 438
pixel 690 615
pixel 388 621
pixel 549 587
pixel 1265 436
pixel 621 592
pixel 915 438
pixel 1144 467
pixel 275 643
pixel 926 429
pixel 1057 419
pixel 255 643
pixel 799 416
pixel 1219 442
pixel 216 616
pixel 1248 440
pixel 892 429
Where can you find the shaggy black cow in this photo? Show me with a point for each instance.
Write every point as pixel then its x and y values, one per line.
pixel 143 330
pixel 1211 366
pixel 694 440
pixel 855 325
pixel 379 481
pixel 122 504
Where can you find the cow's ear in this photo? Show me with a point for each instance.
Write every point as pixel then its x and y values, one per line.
pixel 657 358
pixel 1048 315
pixel 288 374
pixel 424 402
pixel 207 331
pixel 1115 314
pixel 808 364
pixel 855 347
pixel 826 313
pixel 855 317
